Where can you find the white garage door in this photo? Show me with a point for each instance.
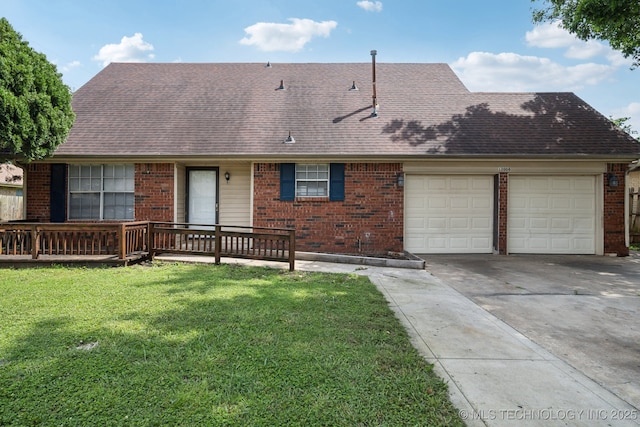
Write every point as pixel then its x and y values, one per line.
pixel 552 215
pixel 448 214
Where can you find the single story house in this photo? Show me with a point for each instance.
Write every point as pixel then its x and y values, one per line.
pixel 359 158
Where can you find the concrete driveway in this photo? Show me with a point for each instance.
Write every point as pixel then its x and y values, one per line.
pixel 583 309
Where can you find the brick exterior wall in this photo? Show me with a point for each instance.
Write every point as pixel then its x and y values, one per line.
pixel 154 198
pixel 369 221
pixel 614 213
pixel 38 192
pixel 153 192
pixel 503 180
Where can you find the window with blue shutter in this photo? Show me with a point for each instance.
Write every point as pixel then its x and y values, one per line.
pixel 309 180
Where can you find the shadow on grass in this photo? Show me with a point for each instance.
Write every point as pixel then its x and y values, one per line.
pixel 226 346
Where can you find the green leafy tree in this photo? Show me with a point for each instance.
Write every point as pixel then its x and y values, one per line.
pixel 35 105
pixel 617 21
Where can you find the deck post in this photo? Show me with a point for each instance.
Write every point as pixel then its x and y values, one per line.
pixel 149 240
pixel 218 244
pixel 35 242
pixel 122 244
pixel 292 250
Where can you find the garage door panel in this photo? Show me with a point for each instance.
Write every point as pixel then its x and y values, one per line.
pixel 485 224
pixel 436 224
pixel 539 203
pixel 435 183
pixel 561 184
pixel 561 244
pixel 459 203
pixel 563 225
pixel 553 214
pixel 460 224
pixel 456 213
pixel 461 183
pixel 586 204
pixel 560 203
pixel 482 203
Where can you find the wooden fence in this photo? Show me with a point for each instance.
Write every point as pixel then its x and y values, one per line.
pixel 634 215
pixel 145 240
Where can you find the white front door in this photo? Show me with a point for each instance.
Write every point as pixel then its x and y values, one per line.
pixel 202 204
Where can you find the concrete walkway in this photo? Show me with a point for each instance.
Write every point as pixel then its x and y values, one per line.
pixel 496 376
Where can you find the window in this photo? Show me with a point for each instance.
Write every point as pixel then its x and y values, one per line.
pixel 101 192
pixel 312 180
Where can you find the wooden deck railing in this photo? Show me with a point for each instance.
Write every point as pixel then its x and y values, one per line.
pixel 146 239
pixel 271 244
pixel 67 239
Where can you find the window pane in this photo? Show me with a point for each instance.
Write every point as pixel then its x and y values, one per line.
pixel 96 184
pixel 74 184
pixel 312 180
pixel 118 206
pixel 84 206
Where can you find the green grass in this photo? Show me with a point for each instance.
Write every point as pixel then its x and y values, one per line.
pixel 177 344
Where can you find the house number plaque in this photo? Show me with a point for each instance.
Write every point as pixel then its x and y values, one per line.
pixel 505 169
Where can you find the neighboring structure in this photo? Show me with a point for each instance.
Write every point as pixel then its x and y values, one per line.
pixel 358 158
pixel 11 199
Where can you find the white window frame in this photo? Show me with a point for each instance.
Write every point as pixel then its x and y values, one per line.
pixel 310 178
pixel 102 180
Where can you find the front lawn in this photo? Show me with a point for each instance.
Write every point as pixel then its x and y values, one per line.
pixel 179 344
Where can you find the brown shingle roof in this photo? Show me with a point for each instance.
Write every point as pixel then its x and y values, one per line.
pixel 178 110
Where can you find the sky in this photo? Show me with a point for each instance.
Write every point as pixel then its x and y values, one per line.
pixel 492 45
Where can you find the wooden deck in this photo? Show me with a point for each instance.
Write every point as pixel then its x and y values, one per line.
pixel 24 244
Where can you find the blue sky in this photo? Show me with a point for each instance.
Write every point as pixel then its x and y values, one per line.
pixel 492 45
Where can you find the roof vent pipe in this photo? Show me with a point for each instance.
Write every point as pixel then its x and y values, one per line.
pixel 289 139
pixel 375 105
pixel 281 87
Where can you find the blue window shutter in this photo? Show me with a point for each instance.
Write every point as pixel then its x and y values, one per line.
pixel 336 185
pixel 287 181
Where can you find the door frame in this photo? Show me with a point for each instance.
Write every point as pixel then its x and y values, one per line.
pixel 188 171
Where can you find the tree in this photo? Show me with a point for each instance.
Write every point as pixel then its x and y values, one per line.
pixel 35 105
pixel 617 21
pixel 621 122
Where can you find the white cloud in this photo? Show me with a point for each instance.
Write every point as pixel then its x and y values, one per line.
pixel 292 37
pixel 70 66
pixel 483 71
pixel 370 6
pixel 551 35
pixel 130 49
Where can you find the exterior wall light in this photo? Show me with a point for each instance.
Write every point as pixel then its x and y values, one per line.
pixel 400 179
pixel 227 176
pixel 613 180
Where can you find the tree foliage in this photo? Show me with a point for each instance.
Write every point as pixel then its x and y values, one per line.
pixel 35 105
pixel 622 123
pixel 617 21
